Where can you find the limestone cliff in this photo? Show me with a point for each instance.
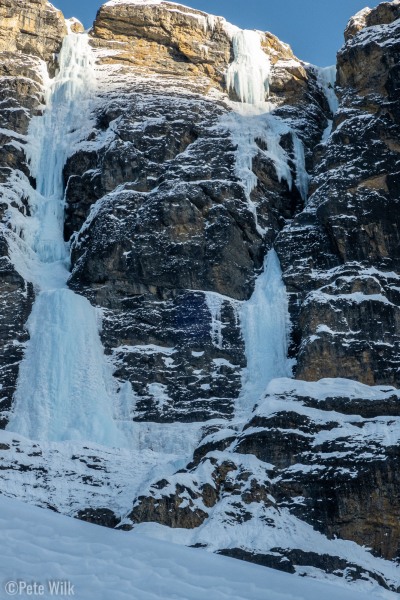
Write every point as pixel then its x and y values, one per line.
pixel 176 191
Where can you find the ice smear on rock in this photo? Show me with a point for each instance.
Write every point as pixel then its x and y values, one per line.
pixel 266 326
pixel 215 303
pixel 64 388
pixel 246 126
pixel 252 119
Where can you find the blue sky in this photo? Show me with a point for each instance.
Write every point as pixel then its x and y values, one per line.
pixel 314 28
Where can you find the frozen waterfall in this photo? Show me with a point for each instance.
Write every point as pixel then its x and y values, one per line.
pixel 265 325
pixel 252 121
pixel 62 390
pixel 327 80
pixel 65 388
pixel 249 73
pixel 52 136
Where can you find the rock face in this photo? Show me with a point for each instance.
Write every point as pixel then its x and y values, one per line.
pixel 172 201
pixel 303 457
pixel 341 254
pixel 34 29
pixel 173 239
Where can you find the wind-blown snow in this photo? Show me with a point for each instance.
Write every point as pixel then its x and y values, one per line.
pixel 266 326
pixel 64 389
pixel 39 546
pixel 249 73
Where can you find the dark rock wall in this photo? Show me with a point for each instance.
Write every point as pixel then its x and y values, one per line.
pixel 341 254
pixel 172 222
pixel 302 455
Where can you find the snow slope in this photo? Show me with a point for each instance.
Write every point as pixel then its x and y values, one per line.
pixel 39 547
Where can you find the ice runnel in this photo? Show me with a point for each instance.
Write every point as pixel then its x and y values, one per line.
pixel 215 304
pixel 265 326
pixel 52 136
pixel 64 390
pixel 327 80
pixel 249 73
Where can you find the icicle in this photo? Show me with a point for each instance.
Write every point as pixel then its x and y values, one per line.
pixel 249 73
pixel 265 327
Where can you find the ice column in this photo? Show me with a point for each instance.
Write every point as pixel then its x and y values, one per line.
pixel 266 327
pixel 249 73
pixel 327 79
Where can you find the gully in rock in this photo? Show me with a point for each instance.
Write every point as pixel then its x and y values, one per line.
pixel 65 389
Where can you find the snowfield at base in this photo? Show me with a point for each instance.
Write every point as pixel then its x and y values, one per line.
pixel 39 546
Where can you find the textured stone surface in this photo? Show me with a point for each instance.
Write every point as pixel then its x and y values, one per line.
pixel 341 254
pixel 171 41
pixel 383 14
pixel 31 27
pixel 172 220
pixel 315 459
pixel 163 233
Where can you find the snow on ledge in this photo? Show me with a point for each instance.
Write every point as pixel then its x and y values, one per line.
pixel 209 20
pixel 142 2
pixel 328 388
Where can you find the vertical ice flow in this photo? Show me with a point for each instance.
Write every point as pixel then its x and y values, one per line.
pixel 62 392
pixel 327 79
pixel 249 73
pixel 53 135
pixel 215 303
pixel 64 387
pixel 265 326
